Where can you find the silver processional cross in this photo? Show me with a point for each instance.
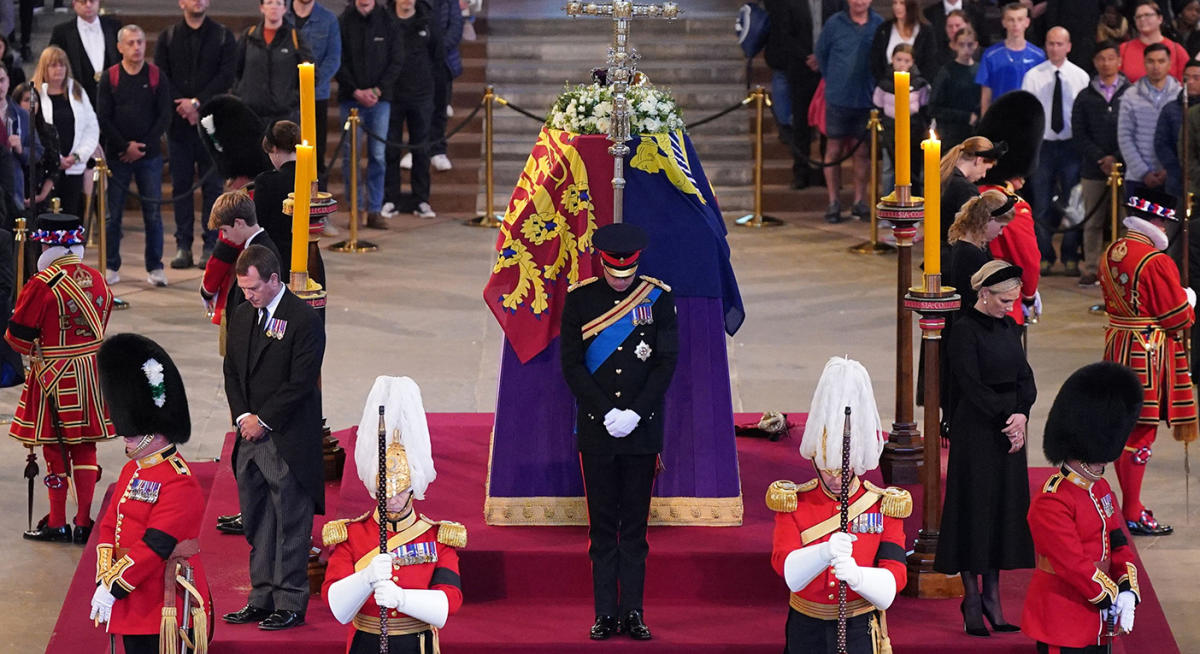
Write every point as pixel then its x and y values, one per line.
pixel 622 64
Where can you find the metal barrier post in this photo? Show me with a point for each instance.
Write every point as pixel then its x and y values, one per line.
pixel 352 244
pixel 489 218
pixel 758 219
pixel 101 178
pixel 873 246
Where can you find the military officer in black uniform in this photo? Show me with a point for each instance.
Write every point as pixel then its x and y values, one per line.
pixel 619 345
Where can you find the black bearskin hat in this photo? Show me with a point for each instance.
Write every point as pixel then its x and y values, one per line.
pixel 1018 119
pixel 1094 412
pixel 143 389
pixel 232 133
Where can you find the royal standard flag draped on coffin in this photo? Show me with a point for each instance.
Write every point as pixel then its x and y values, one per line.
pixel 565 193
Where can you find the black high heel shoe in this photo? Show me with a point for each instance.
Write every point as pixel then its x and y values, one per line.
pixel 980 631
pixel 1002 627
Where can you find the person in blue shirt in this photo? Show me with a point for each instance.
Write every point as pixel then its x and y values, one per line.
pixel 1003 65
pixel 842 53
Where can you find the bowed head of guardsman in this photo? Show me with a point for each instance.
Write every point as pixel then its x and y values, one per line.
pixel 408 455
pixel 1092 415
pixel 232 133
pixel 1018 120
pixel 843 383
pixel 144 393
pixel 620 246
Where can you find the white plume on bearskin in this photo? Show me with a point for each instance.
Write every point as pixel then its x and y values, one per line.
pixel 844 383
pixel 404 415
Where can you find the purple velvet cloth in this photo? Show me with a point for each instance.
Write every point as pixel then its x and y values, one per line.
pixel 534 453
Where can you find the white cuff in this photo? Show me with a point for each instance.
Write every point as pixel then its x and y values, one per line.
pixel 430 606
pixel 878 587
pixel 803 565
pixel 346 596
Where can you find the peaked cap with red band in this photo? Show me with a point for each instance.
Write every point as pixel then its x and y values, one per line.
pixel 620 246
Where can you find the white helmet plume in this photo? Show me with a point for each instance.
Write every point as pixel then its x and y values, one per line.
pixel 844 383
pixel 404 416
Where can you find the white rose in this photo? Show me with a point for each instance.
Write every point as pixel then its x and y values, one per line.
pixel 652 125
pixel 603 124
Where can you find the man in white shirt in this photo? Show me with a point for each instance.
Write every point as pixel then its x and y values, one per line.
pixel 1055 82
pixel 90 41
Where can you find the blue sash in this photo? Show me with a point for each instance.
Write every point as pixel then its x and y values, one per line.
pixel 607 341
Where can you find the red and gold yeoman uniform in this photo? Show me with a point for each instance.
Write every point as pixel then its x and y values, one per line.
pixel 65 306
pixel 1083 561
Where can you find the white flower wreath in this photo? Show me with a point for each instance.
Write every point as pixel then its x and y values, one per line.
pixel 587 109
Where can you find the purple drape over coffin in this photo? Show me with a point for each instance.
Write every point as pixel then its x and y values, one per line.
pixel 533 450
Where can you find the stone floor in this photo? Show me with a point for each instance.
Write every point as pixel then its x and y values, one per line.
pixel 414 308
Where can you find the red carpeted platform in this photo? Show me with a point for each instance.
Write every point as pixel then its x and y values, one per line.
pixel 528 589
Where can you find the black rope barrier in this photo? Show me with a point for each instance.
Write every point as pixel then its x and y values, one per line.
pixel 179 196
pixel 523 112
pixel 427 144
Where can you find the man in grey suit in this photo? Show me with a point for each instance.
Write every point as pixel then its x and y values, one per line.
pixel 272 365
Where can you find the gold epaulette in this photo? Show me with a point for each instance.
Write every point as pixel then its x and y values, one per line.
pixel 334 531
pixel 581 283
pixel 452 534
pixel 895 502
pixel 781 495
pixel 657 282
pixel 1052 483
pixel 180 465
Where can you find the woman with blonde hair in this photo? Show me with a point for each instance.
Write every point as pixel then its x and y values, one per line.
pixel 983 527
pixel 962 166
pixel 65 109
pixel 979 221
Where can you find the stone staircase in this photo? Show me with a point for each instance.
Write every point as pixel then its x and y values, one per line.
pixel 530 58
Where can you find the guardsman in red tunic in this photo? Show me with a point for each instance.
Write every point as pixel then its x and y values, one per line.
pixel 1085 587
pixel 59 322
pixel 416 581
pixel 810 551
pixel 148 573
pixel 1149 311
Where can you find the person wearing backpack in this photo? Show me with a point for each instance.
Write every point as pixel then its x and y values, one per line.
pixel 134 108
pixel 265 66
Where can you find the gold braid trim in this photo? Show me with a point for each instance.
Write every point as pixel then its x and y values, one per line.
pixel 581 283
pixel 453 534
pixel 896 503
pixel 334 532
pixel 104 560
pixel 1131 576
pixel 781 496
pixel 1108 588
pixel 657 282
pixel 879 633
pixel 168 636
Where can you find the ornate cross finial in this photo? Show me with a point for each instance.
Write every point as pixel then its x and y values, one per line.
pixel 622 66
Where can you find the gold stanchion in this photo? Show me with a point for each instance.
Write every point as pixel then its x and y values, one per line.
pixel 352 244
pixel 101 175
pixel 873 246
pixel 758 219
pixel 489 217
pixel 1114 183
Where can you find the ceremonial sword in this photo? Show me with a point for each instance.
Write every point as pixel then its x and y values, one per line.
pixel 381 497
pixel 844 504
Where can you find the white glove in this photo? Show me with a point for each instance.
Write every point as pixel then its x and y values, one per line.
pixel 610 417
pixel 624 423
pixel 379 569
pixel 389 595
pixel 1191 295
pixel 346 595
pixel 429 606
pixel 1125 606
pixel 875 585
pixel 839 545
pixel 846 569
pixel 102 602
pixel 1033 311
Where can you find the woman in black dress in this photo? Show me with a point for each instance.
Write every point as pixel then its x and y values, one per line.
pixel 960 168
pixel 983 526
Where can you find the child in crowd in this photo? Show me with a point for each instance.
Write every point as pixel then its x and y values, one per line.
pixel 954 104
pixel 918 97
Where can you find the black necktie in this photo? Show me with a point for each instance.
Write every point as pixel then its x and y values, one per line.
pixel 1056 105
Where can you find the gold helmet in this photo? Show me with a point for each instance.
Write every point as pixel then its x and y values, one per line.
pixel 408 460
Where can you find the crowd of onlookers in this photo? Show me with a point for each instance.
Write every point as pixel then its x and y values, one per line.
pixel 96 91
pixel 1110 76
